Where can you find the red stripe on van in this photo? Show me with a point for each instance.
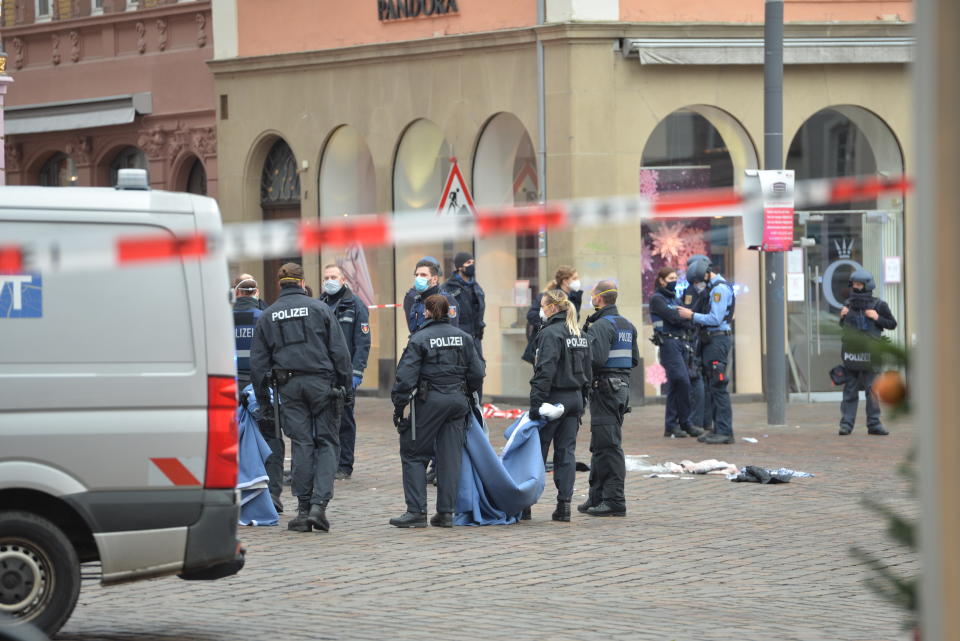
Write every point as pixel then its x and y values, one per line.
pixel 11 259
pixel 176 471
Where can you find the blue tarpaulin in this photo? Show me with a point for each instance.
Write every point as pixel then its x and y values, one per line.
pixel 256 506
pixel 493 489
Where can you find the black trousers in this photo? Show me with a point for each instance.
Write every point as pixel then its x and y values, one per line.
pixel 441 431
pixel 856 381
pixel 562 432
pixel 717 409
pixel 348 437
pixel 607 466
pixel 308 418
pixel 274 462
pixel 673 357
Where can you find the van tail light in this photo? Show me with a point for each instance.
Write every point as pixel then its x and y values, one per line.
pixel 222 446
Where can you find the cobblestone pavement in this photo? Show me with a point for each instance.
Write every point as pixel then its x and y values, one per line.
pixel 693 559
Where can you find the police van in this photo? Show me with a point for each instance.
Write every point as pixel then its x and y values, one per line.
pixel 118 441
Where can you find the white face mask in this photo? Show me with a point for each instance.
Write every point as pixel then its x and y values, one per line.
pixel 332 286
pixel 700 286
pixel 574 285
pixel 543 315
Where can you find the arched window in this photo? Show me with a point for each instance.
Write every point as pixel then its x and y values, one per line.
pixel 279 200
pixel 127 158
pixel 280 182
pixel 58 171
pixel 836 142
pixel 197 178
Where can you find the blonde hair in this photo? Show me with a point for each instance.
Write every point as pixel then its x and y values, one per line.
pixel 559 298
pixel 563 273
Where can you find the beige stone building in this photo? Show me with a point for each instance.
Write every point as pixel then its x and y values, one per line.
pixel 349 111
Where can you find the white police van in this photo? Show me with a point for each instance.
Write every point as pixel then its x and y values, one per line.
pixel 118 442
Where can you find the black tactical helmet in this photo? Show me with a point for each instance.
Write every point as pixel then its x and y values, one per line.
pixel 697 267
pixel 863 276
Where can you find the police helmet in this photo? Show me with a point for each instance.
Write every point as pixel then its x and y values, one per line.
pixel 697 267
pixel 865 277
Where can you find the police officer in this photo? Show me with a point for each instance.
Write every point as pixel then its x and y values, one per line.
pixel 714 315
pixel 355 324
pixel 471 302
pixel 440 367
pixel 426 283
pixel 567 280
pixel 561 374
pixel 299 346
pixel 690 298
pixel 671 335
pixel 246 312
pixel 868 316
pixel 614 352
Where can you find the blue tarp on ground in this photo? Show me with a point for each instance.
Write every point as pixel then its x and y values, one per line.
pixel 493 489
pixel 256 506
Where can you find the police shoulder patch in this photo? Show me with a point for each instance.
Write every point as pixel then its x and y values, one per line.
pixel 365 328
pixel 716 297
pixel 453 311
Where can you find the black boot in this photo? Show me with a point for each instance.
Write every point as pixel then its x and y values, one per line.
pixel 586 505
pixel 299 523
pixel 675 432
pixel 318 517
pixel 878 430
pixel 692 430
pixel 562 513
pixel 277 504
pixel 606 509
pixel 410 519
pixel 527 514
pixel 442 519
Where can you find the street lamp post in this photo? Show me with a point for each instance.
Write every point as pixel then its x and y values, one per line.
pixel 5 80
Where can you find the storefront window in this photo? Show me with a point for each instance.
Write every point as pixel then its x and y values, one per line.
pixel 59 171
pixel 346 187
pixel 838 142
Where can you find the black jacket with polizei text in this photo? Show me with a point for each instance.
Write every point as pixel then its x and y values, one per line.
pixel 441 355
pixel 298 333
pixel 561 361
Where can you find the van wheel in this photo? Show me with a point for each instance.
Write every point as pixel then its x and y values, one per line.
pixel 39 571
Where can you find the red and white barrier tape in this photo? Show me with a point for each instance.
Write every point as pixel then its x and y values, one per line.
pixel 276 239
pixel 384 306
pixel 492 411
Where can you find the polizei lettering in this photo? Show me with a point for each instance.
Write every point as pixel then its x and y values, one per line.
pixel 575 342
pixel 625 337
pixel 396 9
pixel 861 357
pixel 446 341
pixel 244 332
pixel 295 312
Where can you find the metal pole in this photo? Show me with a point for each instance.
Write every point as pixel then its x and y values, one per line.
pixel 541 107
pixel 776 370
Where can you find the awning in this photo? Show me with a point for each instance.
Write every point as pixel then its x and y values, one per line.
pixel 77 114
pixel 749 51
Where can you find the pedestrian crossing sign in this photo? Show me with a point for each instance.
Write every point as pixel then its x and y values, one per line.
pixel 456 199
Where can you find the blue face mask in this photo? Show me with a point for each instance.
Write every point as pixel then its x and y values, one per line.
pixel 420 283
pixel 332 286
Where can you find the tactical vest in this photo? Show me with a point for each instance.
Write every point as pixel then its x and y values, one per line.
pixel 855 356
pixel 661 325
pixel 621 350
pixel 244 323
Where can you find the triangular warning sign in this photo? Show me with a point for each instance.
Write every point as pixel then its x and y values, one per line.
pixel 456 200
pixel 525 184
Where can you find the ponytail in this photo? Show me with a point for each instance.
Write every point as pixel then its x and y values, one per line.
pixel 559 298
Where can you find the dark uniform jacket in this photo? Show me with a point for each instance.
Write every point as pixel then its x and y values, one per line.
pixel 561 362
pixel 440 356
pixel 301 334
pixel 534 324
pixel 471 304
pixel 413 307
pixel 613 345
pixel 355 324
pixel 246 312
pixel 665 317
pixel 857 356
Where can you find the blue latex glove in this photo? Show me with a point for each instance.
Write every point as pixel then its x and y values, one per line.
pixel 356 381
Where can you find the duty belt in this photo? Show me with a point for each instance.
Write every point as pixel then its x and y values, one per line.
pixel 282 376
pixel 679 337
pixel 720 332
